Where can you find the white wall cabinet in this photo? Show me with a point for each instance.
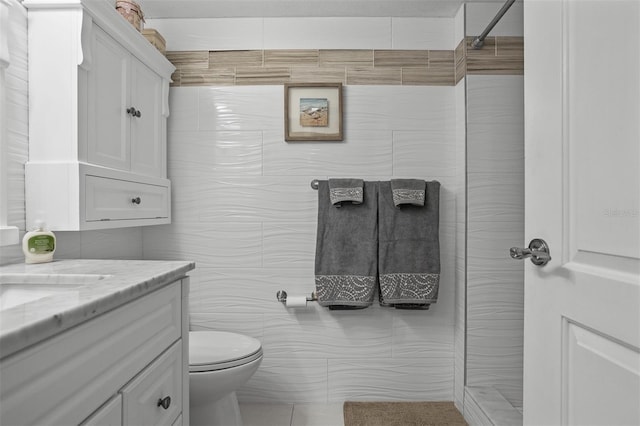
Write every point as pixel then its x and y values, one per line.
pixel 98 108
pixel 125 120
pixel 112 370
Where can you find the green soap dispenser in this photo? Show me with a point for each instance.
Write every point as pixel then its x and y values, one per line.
pixel 39 245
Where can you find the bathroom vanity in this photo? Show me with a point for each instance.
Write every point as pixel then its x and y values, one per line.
pixel 94 342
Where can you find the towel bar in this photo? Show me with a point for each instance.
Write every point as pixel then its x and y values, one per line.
pixel 282 296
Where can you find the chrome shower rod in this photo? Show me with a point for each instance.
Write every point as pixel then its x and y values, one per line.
pixel 479 41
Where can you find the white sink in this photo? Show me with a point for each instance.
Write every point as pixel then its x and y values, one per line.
pixel 18 289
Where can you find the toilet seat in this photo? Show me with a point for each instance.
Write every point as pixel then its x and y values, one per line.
pixel 218 350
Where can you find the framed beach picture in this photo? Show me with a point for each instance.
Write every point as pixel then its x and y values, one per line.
pixel 313 112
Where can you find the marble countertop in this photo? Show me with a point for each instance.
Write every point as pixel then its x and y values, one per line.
pixel 123 280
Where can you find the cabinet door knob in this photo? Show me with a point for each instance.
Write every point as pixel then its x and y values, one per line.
pixel 138 113
pixel 164 402
pixel 136 200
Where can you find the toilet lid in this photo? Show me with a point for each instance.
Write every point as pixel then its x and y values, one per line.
pixel 216 350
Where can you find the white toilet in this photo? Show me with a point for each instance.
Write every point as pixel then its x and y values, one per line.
pixel 219 363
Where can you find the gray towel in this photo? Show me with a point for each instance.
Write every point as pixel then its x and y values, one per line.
pixel 408 191
pixel 346 250
pixel 346 190
pixel 409 250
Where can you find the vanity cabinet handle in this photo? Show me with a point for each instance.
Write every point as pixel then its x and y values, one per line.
pixel 164 402
pixel 136 200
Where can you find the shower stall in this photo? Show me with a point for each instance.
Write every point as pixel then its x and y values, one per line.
pixel 490 217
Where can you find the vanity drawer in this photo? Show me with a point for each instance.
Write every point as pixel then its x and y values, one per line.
pixel 110 414
pixel 154 397
pixel 115 199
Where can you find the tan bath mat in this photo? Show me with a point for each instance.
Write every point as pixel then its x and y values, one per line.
pixel 402 414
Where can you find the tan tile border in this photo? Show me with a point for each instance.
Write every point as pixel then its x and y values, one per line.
pixel 499 56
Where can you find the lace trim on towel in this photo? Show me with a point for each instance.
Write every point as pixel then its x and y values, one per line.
pixel 407 288
pixel 408 196
pixel 345 289
pixel 338 195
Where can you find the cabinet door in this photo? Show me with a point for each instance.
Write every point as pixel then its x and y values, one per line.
pixel 107 99
pixel 147 137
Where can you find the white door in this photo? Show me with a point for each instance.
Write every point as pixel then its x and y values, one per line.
pixel 582 195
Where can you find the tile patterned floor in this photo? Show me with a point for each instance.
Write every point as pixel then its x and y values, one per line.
pixel 292 415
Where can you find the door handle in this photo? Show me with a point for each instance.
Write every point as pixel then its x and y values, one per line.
pixel 538 251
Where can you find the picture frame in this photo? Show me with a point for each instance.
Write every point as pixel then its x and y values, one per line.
pixel 313 112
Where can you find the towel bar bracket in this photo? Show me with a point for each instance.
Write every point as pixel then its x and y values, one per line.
pixel 315 183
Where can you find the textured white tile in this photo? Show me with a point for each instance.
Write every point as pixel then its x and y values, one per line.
pixel 400 108
pixel 209 245
pixel 415 337
pixel 121 243
pixel 496 148
pixel 402 379
pixel 327 33
pixel 458 32
pixel 423 33
pixel 185 192
pixel 289 245
pixel 491 288
pixel 424 153
pixel 287 380
pixel 362 152
pixel 183 110
pixel 209 153
pixel 242 323
pixel 447 203
pixel 241 108
pixel 329 334
pixel 495 99
pixel 209 33
pixel 247 290
pixel 479 14
pixel 257 199
pixel 496 198
pixel 67 246
pixel 16 111
pixel 489 243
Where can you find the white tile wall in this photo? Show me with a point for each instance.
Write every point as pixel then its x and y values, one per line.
pixel 460 247
pixel 210 33
pixel 17 120
pixel 306 33
pixel 423 33
pixel 495 222
pixel 244 211
pixel 327 33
